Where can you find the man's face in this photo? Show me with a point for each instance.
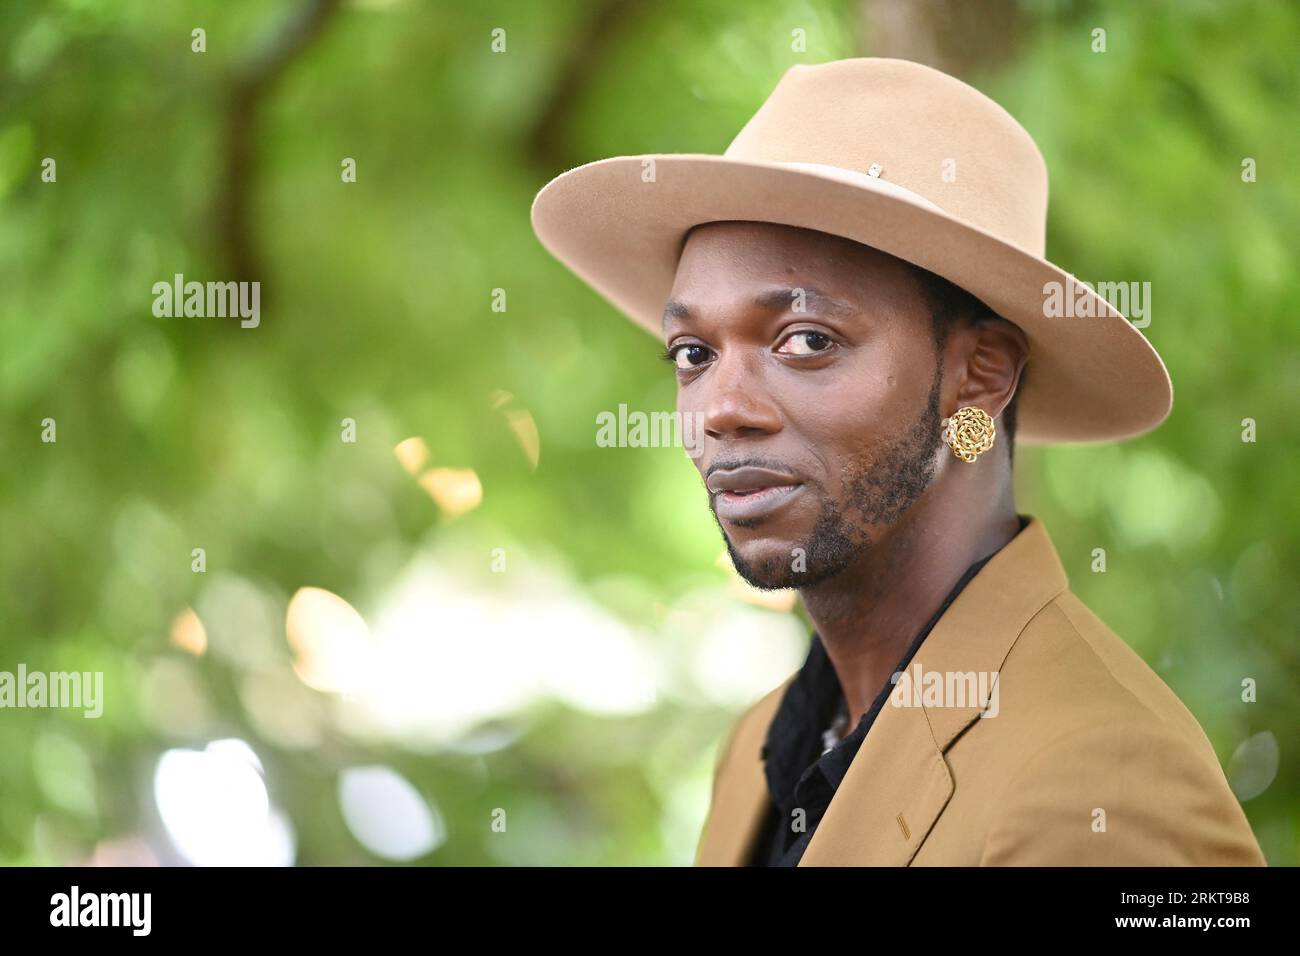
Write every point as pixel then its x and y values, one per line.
pixel 820 408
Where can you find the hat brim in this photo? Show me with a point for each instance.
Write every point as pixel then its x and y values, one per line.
pixel 1091 378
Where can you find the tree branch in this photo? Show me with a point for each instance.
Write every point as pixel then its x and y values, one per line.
pixel 251 82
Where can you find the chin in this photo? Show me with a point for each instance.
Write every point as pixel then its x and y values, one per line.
pixel 776 563
pixel 767 566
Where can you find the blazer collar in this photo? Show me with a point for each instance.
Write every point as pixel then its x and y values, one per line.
pixel 898 783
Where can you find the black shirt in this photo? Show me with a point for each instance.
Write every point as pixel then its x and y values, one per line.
pixel 799 775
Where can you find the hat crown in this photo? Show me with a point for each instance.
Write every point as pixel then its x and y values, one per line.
pixel 923 130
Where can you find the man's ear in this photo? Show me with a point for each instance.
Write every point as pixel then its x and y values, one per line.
pixel 995 352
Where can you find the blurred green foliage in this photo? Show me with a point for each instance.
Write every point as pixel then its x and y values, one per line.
pixel 183 433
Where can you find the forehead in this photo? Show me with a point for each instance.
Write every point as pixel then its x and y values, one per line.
pixel 722 260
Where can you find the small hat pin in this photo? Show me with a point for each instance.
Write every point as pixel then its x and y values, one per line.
pixel 874 170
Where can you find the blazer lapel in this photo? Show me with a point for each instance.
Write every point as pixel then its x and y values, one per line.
pixel 894 790
pixel 899 782
pixel 740 798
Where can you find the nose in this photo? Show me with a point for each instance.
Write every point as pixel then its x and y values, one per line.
pixel 736 401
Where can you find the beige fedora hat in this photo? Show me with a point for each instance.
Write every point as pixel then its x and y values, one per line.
pixel 894 155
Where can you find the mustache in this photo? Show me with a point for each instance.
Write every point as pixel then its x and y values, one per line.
pixel 751 461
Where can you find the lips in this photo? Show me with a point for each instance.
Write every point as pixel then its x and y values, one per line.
pixel 748 493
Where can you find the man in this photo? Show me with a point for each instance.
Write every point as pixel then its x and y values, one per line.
pixel 853 297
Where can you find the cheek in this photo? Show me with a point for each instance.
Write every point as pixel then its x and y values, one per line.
pixel 846 413
pixel 690 426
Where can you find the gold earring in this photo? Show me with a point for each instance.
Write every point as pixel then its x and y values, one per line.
pixel 969 432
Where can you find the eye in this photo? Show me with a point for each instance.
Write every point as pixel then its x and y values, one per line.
pixel 687 356
pixel 805 343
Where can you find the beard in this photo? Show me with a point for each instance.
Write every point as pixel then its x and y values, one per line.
pixel 879 492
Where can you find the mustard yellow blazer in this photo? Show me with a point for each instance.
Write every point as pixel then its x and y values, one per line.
pixel 1090 758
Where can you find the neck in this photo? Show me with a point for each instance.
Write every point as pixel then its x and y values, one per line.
pixel 868 615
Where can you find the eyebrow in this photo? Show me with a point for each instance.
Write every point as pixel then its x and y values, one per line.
pixel 772 300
